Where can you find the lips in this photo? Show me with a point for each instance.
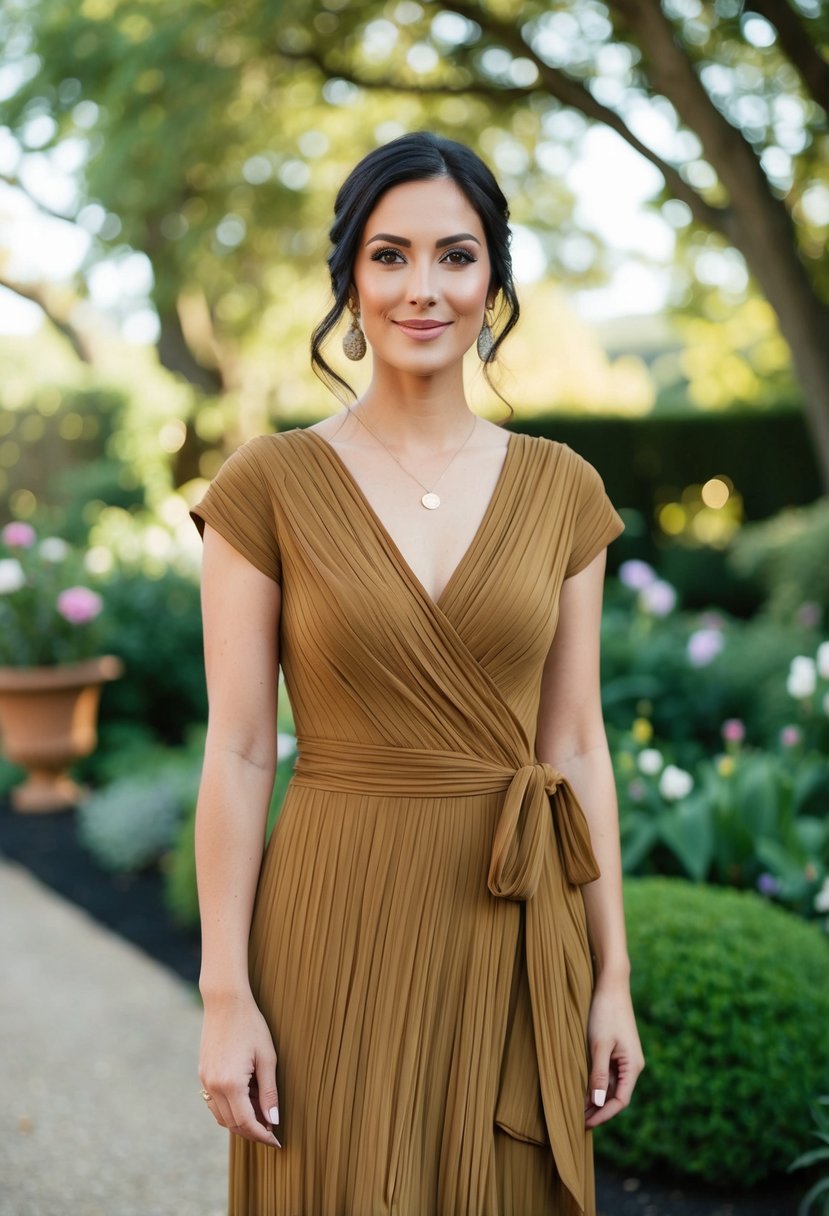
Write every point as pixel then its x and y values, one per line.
pixel 421 330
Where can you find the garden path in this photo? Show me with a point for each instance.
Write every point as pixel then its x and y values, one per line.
pixel 101 1111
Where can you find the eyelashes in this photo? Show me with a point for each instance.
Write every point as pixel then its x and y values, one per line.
pixel 466 258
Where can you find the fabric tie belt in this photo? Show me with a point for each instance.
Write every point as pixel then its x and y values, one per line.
pixel 523 827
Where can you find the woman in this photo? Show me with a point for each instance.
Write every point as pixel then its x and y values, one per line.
pixel 418 1001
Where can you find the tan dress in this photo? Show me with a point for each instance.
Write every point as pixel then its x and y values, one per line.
pixel 419 944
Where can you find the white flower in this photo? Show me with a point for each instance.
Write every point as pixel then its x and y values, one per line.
pixel 826 704
pixel 53 549
pixel 12 577
pixel 823 660
pixel 802 677
pixel 285 745
pixel 822 897
pixel 650 761
pixel 658 598
pixel 675 783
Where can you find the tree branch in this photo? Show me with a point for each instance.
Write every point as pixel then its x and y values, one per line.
pixel 798 47
pixel 52 302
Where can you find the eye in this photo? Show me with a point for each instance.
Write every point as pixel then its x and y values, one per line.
pixel 458 257
pixel 386 256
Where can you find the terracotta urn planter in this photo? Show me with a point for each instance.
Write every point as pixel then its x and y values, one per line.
pixel 49 719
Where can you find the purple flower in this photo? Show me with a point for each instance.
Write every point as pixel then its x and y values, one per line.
pixel 79 605
pixel 790 736
pixel 18 535
pixel 733 730
pixel 767 884
pixel 658 598
pixel 703 646
pixel 636 790
pixel 636 574
pixel 808 614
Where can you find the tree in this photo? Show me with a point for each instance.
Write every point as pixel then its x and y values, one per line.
pixel 216 138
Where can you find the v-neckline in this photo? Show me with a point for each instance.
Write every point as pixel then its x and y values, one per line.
pixel 439 603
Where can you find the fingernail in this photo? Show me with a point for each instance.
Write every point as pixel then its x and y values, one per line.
pixel 278 1145
pixel 599 1096
pixel 273 1114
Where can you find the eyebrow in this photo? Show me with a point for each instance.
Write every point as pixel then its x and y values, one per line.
pixel 402 240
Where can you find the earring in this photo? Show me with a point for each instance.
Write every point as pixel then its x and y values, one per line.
pixel 485 342
pixel 354 340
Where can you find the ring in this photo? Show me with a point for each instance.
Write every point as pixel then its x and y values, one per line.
pixel 207 1097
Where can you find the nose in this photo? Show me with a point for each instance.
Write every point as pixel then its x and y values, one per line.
pixel 422 289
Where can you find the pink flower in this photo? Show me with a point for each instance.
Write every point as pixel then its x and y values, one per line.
pixel 790 736
pixel 658 598
pixel 79 605
pixel 733 730
pixel 18 535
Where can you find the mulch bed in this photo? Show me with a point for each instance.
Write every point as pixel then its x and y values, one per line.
pixel 132 906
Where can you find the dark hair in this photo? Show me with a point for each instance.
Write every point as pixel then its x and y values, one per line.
pixel 417 156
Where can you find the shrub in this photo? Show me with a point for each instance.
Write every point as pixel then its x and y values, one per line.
pixel 732 1002
pixel 133 822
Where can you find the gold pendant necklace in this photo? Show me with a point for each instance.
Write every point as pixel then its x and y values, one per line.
pixel 430 500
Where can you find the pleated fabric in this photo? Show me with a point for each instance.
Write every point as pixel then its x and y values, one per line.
pixel 419 945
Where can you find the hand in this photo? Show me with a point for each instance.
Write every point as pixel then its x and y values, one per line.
pixel 615 1051
pixel 237 1067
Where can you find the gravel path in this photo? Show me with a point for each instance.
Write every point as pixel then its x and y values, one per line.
pixel 101 1113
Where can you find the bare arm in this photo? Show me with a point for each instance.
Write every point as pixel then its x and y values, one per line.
pixel 572 737
pixel 240 613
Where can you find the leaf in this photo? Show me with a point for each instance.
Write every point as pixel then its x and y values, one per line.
pixel 687 831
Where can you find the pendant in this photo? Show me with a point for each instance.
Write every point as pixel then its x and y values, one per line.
pixel 430 501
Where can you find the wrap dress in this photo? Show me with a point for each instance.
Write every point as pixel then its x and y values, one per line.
pixel 419 945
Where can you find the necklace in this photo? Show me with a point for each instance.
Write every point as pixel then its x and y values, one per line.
pixel 430 500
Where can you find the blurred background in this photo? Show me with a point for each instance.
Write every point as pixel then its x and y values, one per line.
pixel 167 178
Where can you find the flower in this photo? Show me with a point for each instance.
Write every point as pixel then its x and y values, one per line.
pixel 675 783
pixel 767 884
pixel 18 535
pixel 825 703
pixel 53 549
pixel 12 576
pixel 703 646
pixel 657 598
pixel 823 660
pixel 790 736
pixel 49 607
pixel 650 761
pixel 802 677
pixel 808 614
pixel 733 730
pixel 641 730
pixel 636 790
pixel 725 765
pixel 822 897
pixel 78 605
pixel 636 574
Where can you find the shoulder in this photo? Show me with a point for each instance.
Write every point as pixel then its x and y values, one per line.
pixel 555 457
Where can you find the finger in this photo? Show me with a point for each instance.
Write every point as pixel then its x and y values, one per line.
pixel 267 1097
pixel 243 1119
pixel 599 1079
pixel 602 1114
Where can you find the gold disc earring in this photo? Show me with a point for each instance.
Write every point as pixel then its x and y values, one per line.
pixel 354 340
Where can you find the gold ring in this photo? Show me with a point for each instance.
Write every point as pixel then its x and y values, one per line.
pixel 207 1097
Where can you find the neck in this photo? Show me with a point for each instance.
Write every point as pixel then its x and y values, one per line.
pixel 416 412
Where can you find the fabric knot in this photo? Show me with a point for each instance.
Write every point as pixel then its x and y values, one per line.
pixel 538 800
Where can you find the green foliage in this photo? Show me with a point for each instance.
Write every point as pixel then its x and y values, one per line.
pixel 154 625
pixel 732 1003
pixel 786 555
pixel 816 1201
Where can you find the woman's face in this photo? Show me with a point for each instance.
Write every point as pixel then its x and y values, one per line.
pixel 422 273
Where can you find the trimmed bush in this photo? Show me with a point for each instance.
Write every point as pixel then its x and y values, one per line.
pixel 732 1002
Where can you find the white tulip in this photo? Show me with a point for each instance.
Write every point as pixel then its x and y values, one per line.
pixel 675 783
pixel 12 577
pixel 826 704
pixel 802 677
pixel 53 549
pixel 650 761
pixel 822 897
pixel 285 745
pixel 823 660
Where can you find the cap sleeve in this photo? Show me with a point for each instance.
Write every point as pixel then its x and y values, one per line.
pixel 238 504
pixel 597 522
